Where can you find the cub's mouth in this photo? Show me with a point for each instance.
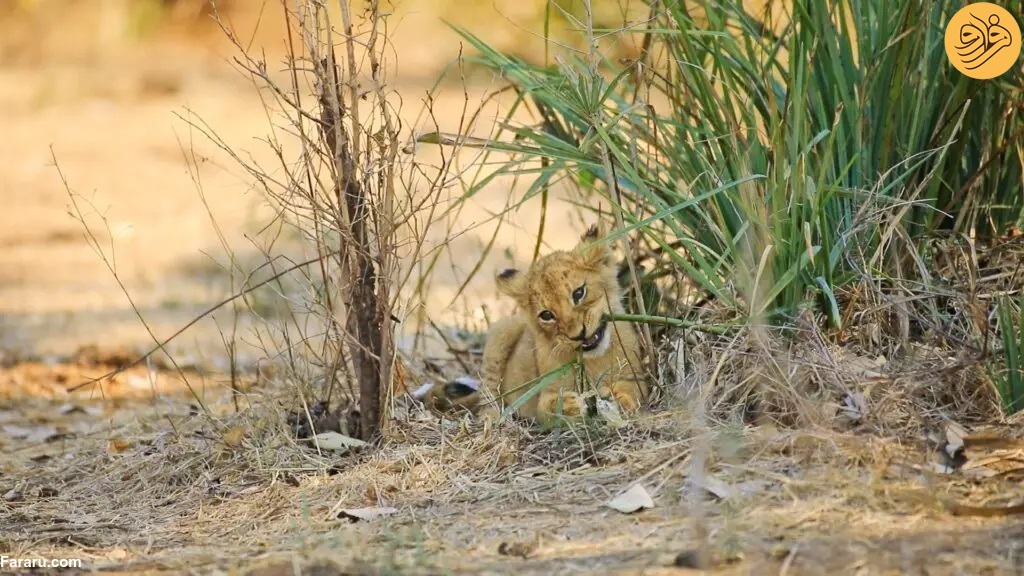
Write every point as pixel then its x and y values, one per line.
pixel 590 344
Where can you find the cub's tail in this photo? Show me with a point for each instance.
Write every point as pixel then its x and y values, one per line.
pixel 471 394
pixel 462 392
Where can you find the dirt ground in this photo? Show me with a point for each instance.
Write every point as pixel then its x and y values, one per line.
pixel 111 112
pixel 150 474
pixel 184 483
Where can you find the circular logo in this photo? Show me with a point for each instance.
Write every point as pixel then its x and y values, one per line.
pixel 982 40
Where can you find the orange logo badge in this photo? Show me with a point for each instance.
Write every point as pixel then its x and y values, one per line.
pixel 983 40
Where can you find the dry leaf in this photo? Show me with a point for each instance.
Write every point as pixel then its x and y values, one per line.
pixel 855 406
pixel 954 439
pixel 70 408
pixel 336 441
pixel 116 554
pixel 366 514
pixel 718 488
pixel 722 490
pixel 861 367
pixel 610 412
pixel 750 487
pixel 632 500
pixel 979 472
pixel 31 434
pixel 118 445
pixel 17 432
pixel 993 463
pixel 233 436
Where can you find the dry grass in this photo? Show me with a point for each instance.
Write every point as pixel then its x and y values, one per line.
pixel 159 486
pixel 816 457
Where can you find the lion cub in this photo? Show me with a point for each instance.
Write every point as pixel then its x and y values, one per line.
pixel 563 300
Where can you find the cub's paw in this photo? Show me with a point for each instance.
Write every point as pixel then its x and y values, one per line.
pixel 553 405
pixel 625 394
pixel 489 414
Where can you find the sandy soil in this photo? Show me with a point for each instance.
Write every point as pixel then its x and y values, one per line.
pixel 110 112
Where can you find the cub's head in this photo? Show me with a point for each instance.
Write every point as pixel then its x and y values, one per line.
pixel 566 294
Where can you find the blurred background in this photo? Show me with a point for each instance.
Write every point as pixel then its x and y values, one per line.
pixel 106 86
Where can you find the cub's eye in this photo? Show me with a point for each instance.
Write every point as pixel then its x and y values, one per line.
pixel 579 293
pixel 547 316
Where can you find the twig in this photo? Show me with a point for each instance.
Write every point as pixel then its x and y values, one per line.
pixel 675 322
pixel 194 321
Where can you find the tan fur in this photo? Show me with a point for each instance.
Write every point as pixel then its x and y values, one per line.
pixel 521 348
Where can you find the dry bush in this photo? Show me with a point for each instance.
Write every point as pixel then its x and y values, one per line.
pixel 345 191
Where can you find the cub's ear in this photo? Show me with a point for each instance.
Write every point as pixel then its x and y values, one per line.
pixel 595 251
pixel 512 283
pixel 593 233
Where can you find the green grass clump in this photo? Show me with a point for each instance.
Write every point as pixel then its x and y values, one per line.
pixel 1008 375
pixel 776 168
